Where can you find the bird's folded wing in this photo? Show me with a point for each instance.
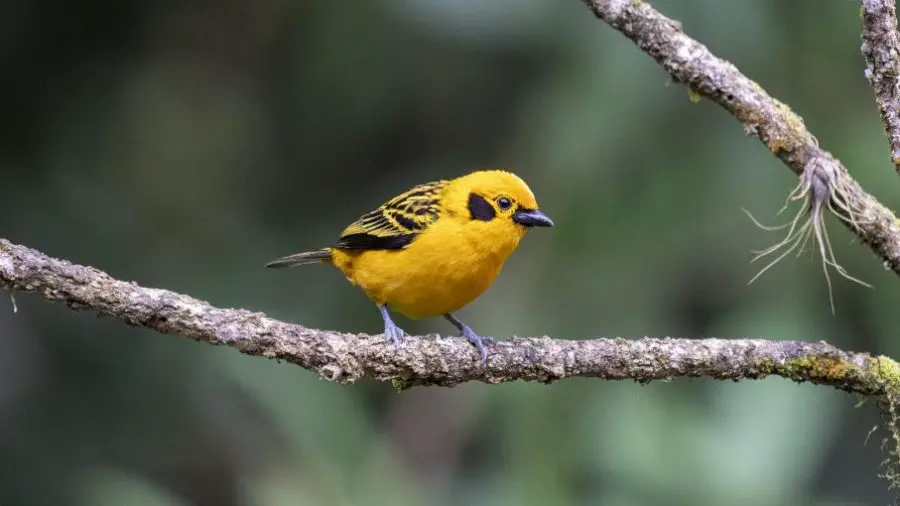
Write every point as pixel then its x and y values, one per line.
pixel 397 222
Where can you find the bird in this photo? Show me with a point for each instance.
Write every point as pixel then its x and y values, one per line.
pixel 433 249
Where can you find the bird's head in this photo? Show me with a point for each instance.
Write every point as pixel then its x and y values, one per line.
pixel 497 202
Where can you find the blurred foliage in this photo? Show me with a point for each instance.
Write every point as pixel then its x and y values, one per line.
pixel 184 144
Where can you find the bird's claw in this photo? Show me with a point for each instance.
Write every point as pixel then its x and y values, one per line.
pixel 394 334
pixel 478 341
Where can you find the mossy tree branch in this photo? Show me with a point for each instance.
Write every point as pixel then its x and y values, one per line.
pixel 881 49
pixel 435 360
pixel 771 121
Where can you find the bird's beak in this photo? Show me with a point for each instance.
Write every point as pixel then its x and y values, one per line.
pixel 531 218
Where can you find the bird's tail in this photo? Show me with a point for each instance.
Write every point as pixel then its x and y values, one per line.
pixel 307 257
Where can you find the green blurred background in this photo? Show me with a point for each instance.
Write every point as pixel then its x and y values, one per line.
pixel 184 144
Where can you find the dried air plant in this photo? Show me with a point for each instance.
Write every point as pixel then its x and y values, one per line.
pixel 819 191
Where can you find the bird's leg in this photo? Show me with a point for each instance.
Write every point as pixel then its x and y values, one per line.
pixel 391 330
pixel 470 334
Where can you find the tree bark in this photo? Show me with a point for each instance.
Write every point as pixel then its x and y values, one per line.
pixel 881 49
pixel 435 360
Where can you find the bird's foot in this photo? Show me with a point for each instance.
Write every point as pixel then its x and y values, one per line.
pixel 394 333
pixel 469 334
pixel 478 341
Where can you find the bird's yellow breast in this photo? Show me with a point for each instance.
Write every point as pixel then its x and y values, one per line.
pixel 442 270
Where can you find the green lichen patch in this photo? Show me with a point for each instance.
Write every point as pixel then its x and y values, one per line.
pixel 886 373
pixel 693 95
pixel 877 376
pixel 826 369
pixel 763 367
pixel 401 384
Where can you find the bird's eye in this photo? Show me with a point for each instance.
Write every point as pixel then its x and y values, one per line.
pixel 504 203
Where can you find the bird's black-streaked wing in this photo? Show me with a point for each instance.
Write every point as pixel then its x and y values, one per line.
pixel 397 222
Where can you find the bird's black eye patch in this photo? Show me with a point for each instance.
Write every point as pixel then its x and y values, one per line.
pixel 480 209
pixel 504 203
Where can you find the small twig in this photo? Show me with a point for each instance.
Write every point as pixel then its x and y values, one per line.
pixel 881 49
pixel 434 360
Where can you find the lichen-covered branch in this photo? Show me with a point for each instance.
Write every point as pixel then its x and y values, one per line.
pixel 881 49
pixel 772 122
pixel 435 360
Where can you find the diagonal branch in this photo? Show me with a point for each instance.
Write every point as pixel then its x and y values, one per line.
pixel 771 121
pixel 434 360
pixel 881 49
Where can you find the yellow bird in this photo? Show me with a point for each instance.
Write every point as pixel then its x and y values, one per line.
pixel 435 248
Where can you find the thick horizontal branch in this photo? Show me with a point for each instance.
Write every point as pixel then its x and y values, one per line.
pixel 435 360
pixel 771 121
pixel 881 49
